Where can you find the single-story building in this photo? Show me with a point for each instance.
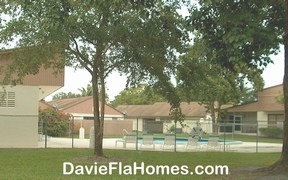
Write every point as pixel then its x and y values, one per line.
pixel 81 108
pixel 155 118
pixel 265 112
pixel 19 105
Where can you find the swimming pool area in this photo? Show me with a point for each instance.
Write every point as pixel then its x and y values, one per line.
pixel 109 143
pixel 159 140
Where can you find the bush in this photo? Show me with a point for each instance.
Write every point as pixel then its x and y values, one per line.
pixel 57 122
pixel 272 132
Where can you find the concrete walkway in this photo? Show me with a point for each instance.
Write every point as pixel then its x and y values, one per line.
pixel 109 143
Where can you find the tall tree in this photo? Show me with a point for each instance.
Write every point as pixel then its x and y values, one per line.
pixel 203 80
pixel 139 38
pixel 141 94
pixel 63 95
pixel 243 34
pixel 282 164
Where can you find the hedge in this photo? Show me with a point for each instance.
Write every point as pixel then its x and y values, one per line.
pixel 272 132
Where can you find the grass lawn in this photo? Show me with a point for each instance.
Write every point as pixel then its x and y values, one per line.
pixel 48 163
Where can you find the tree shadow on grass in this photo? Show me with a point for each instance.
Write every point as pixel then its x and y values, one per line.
pixel 263 173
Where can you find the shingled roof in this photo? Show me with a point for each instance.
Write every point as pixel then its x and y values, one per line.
pixel 63 104
pixel 81 105
pixel 161 109
pixel 266 101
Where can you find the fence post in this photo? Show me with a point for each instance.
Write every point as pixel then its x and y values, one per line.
pixel 175 124
pixel 72 131
pixel 257 137
pixel 45 130
pixel 137 135
pixel 224 135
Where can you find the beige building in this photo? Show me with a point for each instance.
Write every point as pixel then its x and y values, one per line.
pixel 155 118
pixel 265 112
pixel 19 106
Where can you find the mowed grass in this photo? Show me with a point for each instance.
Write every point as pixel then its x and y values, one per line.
pixel 48 163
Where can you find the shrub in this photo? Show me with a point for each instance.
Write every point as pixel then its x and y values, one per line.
pixel 57 122
pixel 172 129
pixel 272 132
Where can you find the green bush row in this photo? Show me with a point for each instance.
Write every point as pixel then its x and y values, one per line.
pixel 272 132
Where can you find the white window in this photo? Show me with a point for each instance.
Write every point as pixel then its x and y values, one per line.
pixel 7 99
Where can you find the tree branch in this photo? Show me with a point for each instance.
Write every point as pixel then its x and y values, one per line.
pixel 85 62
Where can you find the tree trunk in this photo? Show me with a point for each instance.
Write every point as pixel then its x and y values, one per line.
pixel 284 156
pixel 98 133
pixel 281 166
pixel 103 102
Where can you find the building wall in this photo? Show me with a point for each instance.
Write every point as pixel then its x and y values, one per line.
pixel 188 124
pixel 110 127
pixel 262 118
pixel 107 117
pixel 19 124
pixel 249 120
pixel 248 124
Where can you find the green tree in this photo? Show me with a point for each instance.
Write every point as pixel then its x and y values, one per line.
pixel 139 38
pixel 243 34
pixel 63 95
pixel 203 80
pixel 282 164
pixel 248 95
pixel 141 94
pixel 86 92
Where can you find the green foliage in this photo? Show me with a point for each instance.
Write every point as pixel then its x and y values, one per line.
pixel 280 99
pixel 242 34
pixel 83 92
pixel 63 95
pixel 233 42
pixel 171 129
pixel 202 79
pixel 272 132
pixel 138 38
pixel 141 94
pixel 55 123
pixel 86 92
pixel 248 95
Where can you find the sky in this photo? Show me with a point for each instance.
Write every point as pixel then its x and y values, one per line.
pixel 76 79
pixel 272 75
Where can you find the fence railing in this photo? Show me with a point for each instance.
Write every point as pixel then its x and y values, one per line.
pixel 253 136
